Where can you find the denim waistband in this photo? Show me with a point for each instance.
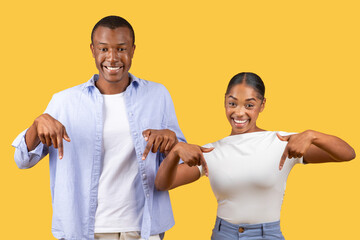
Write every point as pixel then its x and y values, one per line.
pixel 261 229
pixel 269 225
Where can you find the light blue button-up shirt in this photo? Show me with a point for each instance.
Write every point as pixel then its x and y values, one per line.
pixel 74 180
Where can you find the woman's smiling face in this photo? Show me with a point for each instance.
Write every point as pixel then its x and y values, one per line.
pixel 243 105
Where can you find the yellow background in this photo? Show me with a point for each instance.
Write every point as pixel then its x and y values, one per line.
pixel 307 53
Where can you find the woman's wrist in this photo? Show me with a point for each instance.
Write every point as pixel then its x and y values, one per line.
pixel 312 135
pixel 177 148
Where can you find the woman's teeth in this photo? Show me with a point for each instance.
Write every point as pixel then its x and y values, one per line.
pixel 240 121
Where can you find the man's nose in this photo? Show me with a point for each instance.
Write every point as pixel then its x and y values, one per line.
pixel 112 56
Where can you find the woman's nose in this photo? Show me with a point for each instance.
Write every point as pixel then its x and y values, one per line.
pixel 240 111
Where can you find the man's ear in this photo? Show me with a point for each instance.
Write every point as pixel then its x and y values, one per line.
pixel 92 49
pixel 133 50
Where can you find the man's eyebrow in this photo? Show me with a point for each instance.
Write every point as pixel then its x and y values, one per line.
pixel 107 43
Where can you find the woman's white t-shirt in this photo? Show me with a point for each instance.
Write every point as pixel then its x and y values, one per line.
pixel 245 177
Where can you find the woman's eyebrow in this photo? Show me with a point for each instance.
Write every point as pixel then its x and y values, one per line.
pixel 232 97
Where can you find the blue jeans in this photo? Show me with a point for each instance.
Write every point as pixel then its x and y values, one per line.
pixel 224 230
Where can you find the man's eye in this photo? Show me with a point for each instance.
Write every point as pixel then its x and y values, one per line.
pixel 249 105
pixel 121 49
pixel 231 104
pixel 103 49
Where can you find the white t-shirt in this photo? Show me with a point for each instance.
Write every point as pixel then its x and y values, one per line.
pixel 245 177
pixel 118 208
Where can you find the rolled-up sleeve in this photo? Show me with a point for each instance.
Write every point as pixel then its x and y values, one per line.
pixel 172 122
pixel 24 158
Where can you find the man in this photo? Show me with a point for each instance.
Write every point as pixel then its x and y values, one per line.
pixel 101 186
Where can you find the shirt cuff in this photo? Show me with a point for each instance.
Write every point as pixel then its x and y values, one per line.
pixel 20 144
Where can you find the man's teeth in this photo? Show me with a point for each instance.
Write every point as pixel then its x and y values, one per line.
pixel 240 121
pixel 113 68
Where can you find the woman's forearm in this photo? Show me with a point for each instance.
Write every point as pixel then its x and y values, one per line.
pixel 171 174
pixel 336 148
pixel 167 171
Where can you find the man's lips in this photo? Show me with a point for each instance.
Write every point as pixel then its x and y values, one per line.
pixel 113 68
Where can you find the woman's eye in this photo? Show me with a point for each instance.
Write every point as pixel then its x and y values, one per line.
pixel 249 105
pixel 231 104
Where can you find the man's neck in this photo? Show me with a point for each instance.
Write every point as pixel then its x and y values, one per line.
pixel 106 87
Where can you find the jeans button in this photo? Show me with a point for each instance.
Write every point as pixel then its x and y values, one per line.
pixel 241 229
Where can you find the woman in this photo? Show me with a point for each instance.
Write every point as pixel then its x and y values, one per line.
pixel 248 169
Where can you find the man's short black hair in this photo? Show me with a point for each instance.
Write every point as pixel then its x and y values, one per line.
pixel 113 22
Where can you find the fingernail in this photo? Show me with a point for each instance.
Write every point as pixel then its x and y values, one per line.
pixel 146 138
pixel 143 158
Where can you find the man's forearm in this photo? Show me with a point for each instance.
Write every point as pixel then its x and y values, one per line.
pixel 31 138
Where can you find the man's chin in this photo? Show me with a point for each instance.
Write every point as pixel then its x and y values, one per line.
pixel 112 79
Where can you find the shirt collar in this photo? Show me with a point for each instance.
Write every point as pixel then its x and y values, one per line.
pixel 91 83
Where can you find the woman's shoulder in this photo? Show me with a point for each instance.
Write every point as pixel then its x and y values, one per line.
pixel 283 133
pixel 208 145
pixel 253 139
pixel 244 137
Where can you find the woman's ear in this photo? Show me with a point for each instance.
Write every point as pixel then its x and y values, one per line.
pixel 262 105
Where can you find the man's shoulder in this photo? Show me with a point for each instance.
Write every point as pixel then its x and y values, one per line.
pixel 148 83
pixel 157 90
pixel 73 91
pixel 143 82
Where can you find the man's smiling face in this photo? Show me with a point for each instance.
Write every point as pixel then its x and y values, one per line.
pixel 113 50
